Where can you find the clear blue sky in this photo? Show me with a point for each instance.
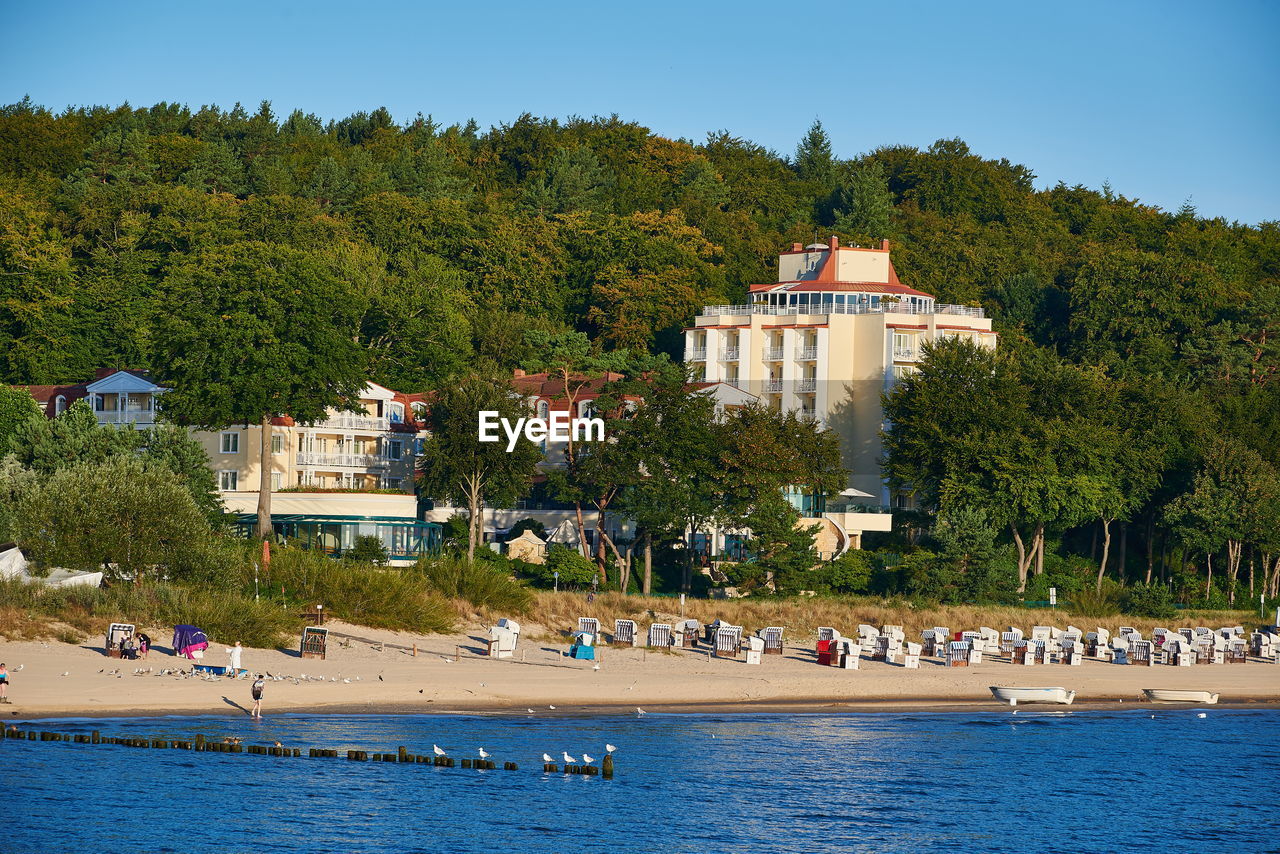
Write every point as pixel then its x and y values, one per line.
pixel 1167 100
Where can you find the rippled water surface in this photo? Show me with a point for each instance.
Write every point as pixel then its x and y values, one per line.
pixel 1037 781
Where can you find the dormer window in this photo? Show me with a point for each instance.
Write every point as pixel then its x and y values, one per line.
pixel 395 412
pixel 59 404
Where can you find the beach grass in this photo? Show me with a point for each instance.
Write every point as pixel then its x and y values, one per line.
pixel 801 616
pixel 34 611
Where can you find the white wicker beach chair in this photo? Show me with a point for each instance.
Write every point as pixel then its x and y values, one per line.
pixel 589 624
pixel 659 636
pixel 911 658
pixel 624 633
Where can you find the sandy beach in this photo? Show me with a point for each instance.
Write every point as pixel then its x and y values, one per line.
pixel 370 671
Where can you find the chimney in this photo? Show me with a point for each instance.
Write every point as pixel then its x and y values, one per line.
pixel 835 243
pixel 884 244
pixel 797 247
pixel 518 373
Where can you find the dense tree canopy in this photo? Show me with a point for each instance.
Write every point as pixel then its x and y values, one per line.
pixel 1131 336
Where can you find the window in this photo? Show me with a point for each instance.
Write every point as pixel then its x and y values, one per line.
pixel 277 480
pixel 230 443
pixel 227 481
pixel 277 444
pixel 394 449
pixel 544 410
pixel 585 409
pixel 392 483
pixel 59 405
pixel 396 412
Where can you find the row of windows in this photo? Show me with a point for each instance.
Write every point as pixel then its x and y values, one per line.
pixel 230 444
pixel 229 480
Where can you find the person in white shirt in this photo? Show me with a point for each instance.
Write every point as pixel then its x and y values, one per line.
pixel 233 654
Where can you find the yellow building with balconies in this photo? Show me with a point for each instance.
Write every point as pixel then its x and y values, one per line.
pixel 826 340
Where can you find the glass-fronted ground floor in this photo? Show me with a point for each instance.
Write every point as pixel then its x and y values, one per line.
pixel 405 540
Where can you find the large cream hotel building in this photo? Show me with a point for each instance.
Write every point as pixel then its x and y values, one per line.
pixel 825 340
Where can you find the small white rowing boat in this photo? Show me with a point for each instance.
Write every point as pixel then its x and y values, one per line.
pixel 1014 696
pixel 1177 695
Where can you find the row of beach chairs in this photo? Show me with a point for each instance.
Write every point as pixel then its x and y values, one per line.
pixel 725 639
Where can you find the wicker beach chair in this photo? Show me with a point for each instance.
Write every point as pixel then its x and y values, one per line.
pixel 624 632
pixel 659 636
pixel 772 637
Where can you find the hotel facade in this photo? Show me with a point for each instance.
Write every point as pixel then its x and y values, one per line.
pixel 835 331
pixel 343 477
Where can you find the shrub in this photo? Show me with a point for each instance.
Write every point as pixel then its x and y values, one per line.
pixel 574 569
pixel 484 584
pixel 1090 602
pixel 527 525
pixel 1150 600
pixel 368 549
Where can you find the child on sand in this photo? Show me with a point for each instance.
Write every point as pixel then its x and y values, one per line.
pixel 258 685
pixel 4 683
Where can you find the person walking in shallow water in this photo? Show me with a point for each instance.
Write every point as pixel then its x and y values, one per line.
pixel 258 685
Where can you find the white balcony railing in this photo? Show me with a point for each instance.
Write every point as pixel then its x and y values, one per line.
pixel 806 385
pixel 854 308
pixel 355 461
pixel 772 386
pixel 773 354
pixel 128 416
pixel 806 354
pixel 698 354
pixel 351 421
pixel 729 354
pixel 733 381
pixel 905 354
pixel 808 415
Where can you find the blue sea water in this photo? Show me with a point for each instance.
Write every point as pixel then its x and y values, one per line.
pixel 1086 781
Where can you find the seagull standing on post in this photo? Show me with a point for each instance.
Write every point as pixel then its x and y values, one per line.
pixel 568 760
pixel 438 751
pixel 609 748
pixel 484 754
pixel 546 757
pixel 587 759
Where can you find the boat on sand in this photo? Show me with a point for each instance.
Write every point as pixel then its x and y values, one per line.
pixel 1178 695
pixel 1014 696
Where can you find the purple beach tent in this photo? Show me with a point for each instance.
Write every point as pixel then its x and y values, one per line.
pixel 188 641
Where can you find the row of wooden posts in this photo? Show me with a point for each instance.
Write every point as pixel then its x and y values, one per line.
pixel 401 755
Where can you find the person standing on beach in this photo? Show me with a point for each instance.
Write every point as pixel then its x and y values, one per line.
pixel 4 683
pixel 258 685
pixel 233 655
pixel 144 644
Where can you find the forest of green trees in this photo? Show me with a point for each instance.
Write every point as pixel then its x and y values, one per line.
pixel 1128 429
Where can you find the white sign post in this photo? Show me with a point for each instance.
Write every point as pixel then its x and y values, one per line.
pixel 1053 597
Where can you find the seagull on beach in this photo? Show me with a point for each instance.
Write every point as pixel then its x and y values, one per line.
pixel 568 760
pixel 66 673
pixel 551 707
pixel 437 750
pixel 20 666
pixel 530 711
pixel 484 754
pixel 609 748
pixel 640 711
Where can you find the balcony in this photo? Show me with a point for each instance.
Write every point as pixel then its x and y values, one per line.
pixel 352 421
pixel 127 416
pixel 807 385
pixel 729 354
pixel 807 354
pixel 352 461
pixel 773 354
pixel 808 416
pixel 773 386
pixel 906 354
pixel 854 308
pixel 733 381
pixel 698 354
